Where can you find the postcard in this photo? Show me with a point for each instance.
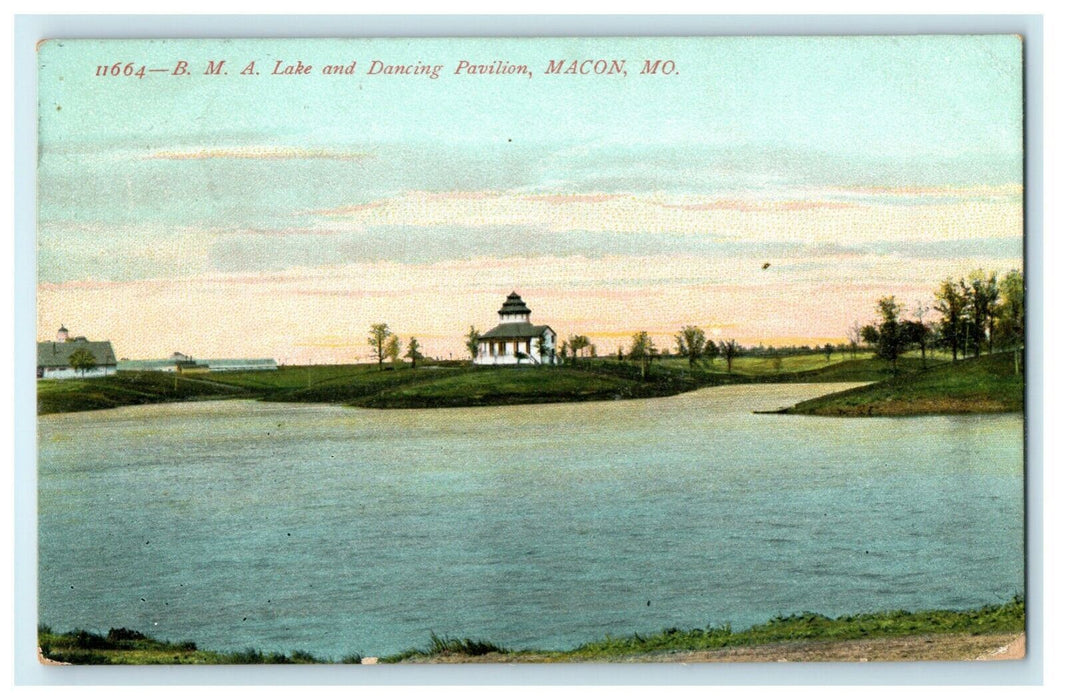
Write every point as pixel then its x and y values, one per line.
pixel 378 351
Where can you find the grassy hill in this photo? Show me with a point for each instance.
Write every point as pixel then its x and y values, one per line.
pixel 493 386
pixel 988 384
pixel 129 389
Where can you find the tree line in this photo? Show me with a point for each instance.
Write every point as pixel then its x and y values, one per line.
pixel 975 313
pixel 386 345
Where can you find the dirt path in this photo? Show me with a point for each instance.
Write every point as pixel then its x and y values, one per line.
pixel 932 647
pixel 1011 652
pixel 941 647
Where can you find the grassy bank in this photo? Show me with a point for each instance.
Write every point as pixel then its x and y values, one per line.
pixel 129 647
pixel 988 384
pixel 129 389
pixel 495 386
pixel 123 646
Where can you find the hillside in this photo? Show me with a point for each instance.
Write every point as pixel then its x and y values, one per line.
pixel 129 389
pixel 987 384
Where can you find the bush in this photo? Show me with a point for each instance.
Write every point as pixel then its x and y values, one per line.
pixel 303 657
pixel 124 635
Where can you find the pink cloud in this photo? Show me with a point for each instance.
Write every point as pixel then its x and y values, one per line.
pixel 940 191
pixel 280 232
pixel 768 206
pixel 257 153
pixel 348 209
pixel 572 198
pixel 457 194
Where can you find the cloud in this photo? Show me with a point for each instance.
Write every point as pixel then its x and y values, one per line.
pixel 761 206
pixel 972 191
pixel 256 153
pixel 573 198
pixel 815 217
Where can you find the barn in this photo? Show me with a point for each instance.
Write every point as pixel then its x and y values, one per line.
pixel 74 358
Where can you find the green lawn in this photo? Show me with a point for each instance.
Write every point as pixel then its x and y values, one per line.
pixel 503 385
pixel 294 377
pixel 750 365
pixel 126 389
pixel 352 387
pixel 988 384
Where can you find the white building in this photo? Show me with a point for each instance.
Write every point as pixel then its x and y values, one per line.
pixel 54 357
pixel 515 341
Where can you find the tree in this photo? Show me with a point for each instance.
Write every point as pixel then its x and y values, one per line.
pixel 920 333
pixel 870 334
pixel 378 341
pixel 81 360
pixel 545 348
pixel 1011 310
pixel 711 351
pixel 691 343
pixel 393 347
pixel 1011 315
pixel 890 340
pixel 412 352
pixel 473 339
pixel 983 304
pixel 642 350
pixel 950 303
pixel 577 343
pixel 915 333
pixel 731 350
pixel 854 338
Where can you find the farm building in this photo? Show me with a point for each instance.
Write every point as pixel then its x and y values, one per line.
pixel 70 358
pixel 515 340
pixel 177 362
pixel 185 364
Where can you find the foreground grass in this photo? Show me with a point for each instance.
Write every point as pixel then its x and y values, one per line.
pixel 123 646
pixel 989 620
pixel 129 647
pixel 988 384
pixel 807 627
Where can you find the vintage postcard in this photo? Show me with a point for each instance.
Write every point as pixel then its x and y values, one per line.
pixel 379 351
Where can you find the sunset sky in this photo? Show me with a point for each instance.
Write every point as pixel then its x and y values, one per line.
pixel 281 215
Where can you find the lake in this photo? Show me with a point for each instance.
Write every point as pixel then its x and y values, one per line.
pixel 338 530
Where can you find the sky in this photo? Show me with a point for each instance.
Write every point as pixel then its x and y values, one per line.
pixel 280 215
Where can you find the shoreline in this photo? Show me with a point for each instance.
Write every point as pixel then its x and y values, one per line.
pixel 992 632
pixel 973 386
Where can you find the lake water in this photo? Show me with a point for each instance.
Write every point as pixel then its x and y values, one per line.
pixel 338 530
